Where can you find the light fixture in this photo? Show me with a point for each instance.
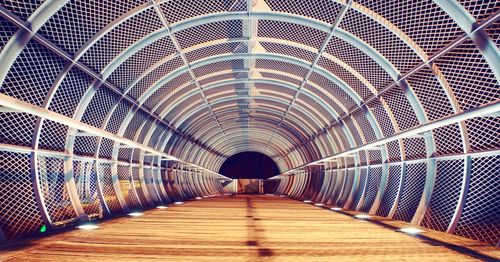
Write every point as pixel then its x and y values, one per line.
pixel 336 208
pixel 179 203
pixel 205 196
pixel 88 226
pixel 362 216
pixel 162 207
pixel 307 201
pixel 135 214
pixel 319 204
pixel 411 230
pixel 198 198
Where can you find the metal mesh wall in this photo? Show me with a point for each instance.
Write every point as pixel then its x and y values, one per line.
pixel 93 91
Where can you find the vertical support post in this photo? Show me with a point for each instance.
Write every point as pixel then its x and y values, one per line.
pixel 38 192
pixel 463 196
pixel 69 181
pixel 400 190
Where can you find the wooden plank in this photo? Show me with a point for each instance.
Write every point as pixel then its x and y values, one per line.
pixel 235 228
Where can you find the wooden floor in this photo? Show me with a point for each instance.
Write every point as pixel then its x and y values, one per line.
pixel 235 228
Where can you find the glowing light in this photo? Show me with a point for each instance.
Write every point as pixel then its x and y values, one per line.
pixel 161 207
pixel 362 216
pixel 319 204
pixel 88 227
pixel 307 201
pixel 336 208
pixel 205 196
pixel 411 230
pixel 135 214
pixel 179 203
pixel 198 198
pixel 43 229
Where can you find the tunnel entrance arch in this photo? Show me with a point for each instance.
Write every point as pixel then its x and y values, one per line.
pixel 249 165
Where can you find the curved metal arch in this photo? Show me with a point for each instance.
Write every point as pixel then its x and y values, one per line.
pixel 279 83
pixel 291 136
pixel 262 125
pixel 235 56
pixel 208 132
pixel 304 134
pixel 483 42
pixel 198 117
pixel 372 57
pixel 255 140
pixel 217 138
pixel 235 98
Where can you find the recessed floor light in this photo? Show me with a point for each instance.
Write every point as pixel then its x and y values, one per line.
pixel 307 201
pixel 88 227
pixel 135 214
pixel 179 203
pixel 198 198
pixel 362 216
pixel 336 208
pixel 162 207
pixel 319 204
pixel 411 230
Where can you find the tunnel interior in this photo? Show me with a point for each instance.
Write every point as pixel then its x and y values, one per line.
pixel 388 109
pixel 249 165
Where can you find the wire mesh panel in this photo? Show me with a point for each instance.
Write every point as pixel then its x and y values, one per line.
pixel 137 186
pixel 176 11
pixel 53 188
pixel 26 80
pixel 121 37
pixel 8 30
pixel 53 136
pixel 86 187
pixel 77 21
pixel 107 188
pixel 127 189
pixel 19 214
pixel 381 39
pixel 445 195
pixel 150 184
pixel 16 128
pixel 70 91
pixel 22 9
pixel 423 21
pixel 484 133
pixel 347 188
pixel 480 216
pixel 374 177
pixel 391 191
pixel 359 189
pixel 412 191
pixel 448 140
pixel 469 76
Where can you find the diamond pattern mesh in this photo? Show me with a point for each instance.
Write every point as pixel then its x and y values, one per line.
pixel 480 216
pixel 412 191
pixel 96 62
pixel 445 194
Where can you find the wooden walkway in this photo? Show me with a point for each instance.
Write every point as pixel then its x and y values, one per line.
pixel 235 228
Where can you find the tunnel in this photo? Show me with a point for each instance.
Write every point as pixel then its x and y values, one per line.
pixel 381 119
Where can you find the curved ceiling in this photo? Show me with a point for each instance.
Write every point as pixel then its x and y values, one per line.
pixel 300 81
